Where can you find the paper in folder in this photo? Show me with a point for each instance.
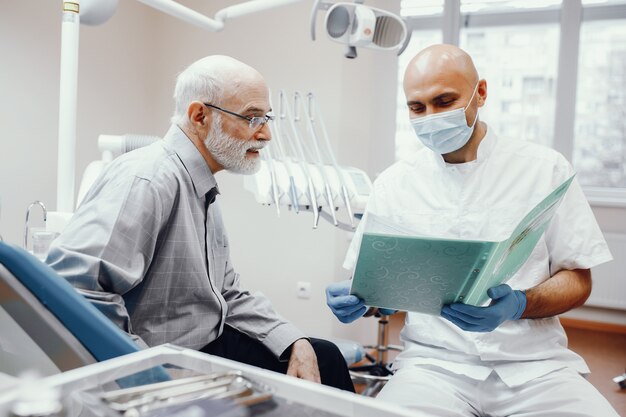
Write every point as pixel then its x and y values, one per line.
pixel 399 271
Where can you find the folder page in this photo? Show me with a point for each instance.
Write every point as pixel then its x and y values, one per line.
pixel 401 271
pixel 514 252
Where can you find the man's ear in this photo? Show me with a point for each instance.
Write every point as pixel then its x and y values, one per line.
pixel 199 116
pixel 482 92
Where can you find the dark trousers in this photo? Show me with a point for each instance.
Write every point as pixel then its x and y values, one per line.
pixel 241 348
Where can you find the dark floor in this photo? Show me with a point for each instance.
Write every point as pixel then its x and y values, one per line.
pixel 604 352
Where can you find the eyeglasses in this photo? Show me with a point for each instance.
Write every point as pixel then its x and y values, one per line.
pixel 254 122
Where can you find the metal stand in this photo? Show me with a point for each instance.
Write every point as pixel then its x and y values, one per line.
pixel 376 374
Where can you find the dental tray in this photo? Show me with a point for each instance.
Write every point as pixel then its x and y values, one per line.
pixel 231 386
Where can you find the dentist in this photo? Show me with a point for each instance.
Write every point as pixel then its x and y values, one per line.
pixel 510 357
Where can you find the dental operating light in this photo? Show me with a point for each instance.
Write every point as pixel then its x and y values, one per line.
pixel 356 25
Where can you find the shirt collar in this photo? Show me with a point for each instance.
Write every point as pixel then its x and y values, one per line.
pixel 486 145
pixel 201 176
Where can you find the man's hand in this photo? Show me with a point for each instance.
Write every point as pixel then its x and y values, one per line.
pixel 344 306
pixel 506 304
pixel 303 361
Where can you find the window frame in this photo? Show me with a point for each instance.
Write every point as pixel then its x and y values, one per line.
pixel 569 16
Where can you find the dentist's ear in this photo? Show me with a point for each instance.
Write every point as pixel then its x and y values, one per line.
pixel 481 91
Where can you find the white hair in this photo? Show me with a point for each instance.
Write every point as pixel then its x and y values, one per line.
pixel 196 83
pixel 206 80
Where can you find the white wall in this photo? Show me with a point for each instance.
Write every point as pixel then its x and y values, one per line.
pixel 115 95
pixel 126 76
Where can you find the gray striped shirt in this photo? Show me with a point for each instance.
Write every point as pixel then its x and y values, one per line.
pixel 148 247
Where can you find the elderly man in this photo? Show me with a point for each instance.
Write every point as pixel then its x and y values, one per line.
pixel 510 357
pixel 148 246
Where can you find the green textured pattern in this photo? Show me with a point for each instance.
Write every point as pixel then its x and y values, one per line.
pixel 421 274
pixel 414 274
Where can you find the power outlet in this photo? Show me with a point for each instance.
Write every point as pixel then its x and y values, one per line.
pixel 303 290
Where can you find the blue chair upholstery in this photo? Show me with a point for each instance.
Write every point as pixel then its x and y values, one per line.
pixel 97 335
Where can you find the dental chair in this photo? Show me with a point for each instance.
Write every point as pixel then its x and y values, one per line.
pixel 35 300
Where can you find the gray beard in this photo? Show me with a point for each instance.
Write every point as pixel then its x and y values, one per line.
pixel 230 152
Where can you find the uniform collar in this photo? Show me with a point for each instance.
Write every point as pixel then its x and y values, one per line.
pixel 202 178
pixel 485 147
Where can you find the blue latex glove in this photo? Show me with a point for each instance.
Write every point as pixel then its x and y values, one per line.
pixel 346 307
pixel 506 305
pixel 387 311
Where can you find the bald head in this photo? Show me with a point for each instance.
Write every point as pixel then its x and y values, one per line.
pixel 441 78
pixel 441 62
pixel 214 79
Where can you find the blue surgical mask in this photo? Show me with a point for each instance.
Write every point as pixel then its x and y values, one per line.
pixel 445 132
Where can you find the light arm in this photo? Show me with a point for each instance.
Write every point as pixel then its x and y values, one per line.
pixel 181 12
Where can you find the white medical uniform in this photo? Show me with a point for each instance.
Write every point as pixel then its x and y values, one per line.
pixel 484 200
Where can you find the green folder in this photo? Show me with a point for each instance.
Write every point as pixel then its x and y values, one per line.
pixel 413 273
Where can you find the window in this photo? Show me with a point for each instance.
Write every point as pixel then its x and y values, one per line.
pixel 600 2
pixel 411 8
pixel 600 129
pixel 520 66
pixel 473 6
pixel 517 48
